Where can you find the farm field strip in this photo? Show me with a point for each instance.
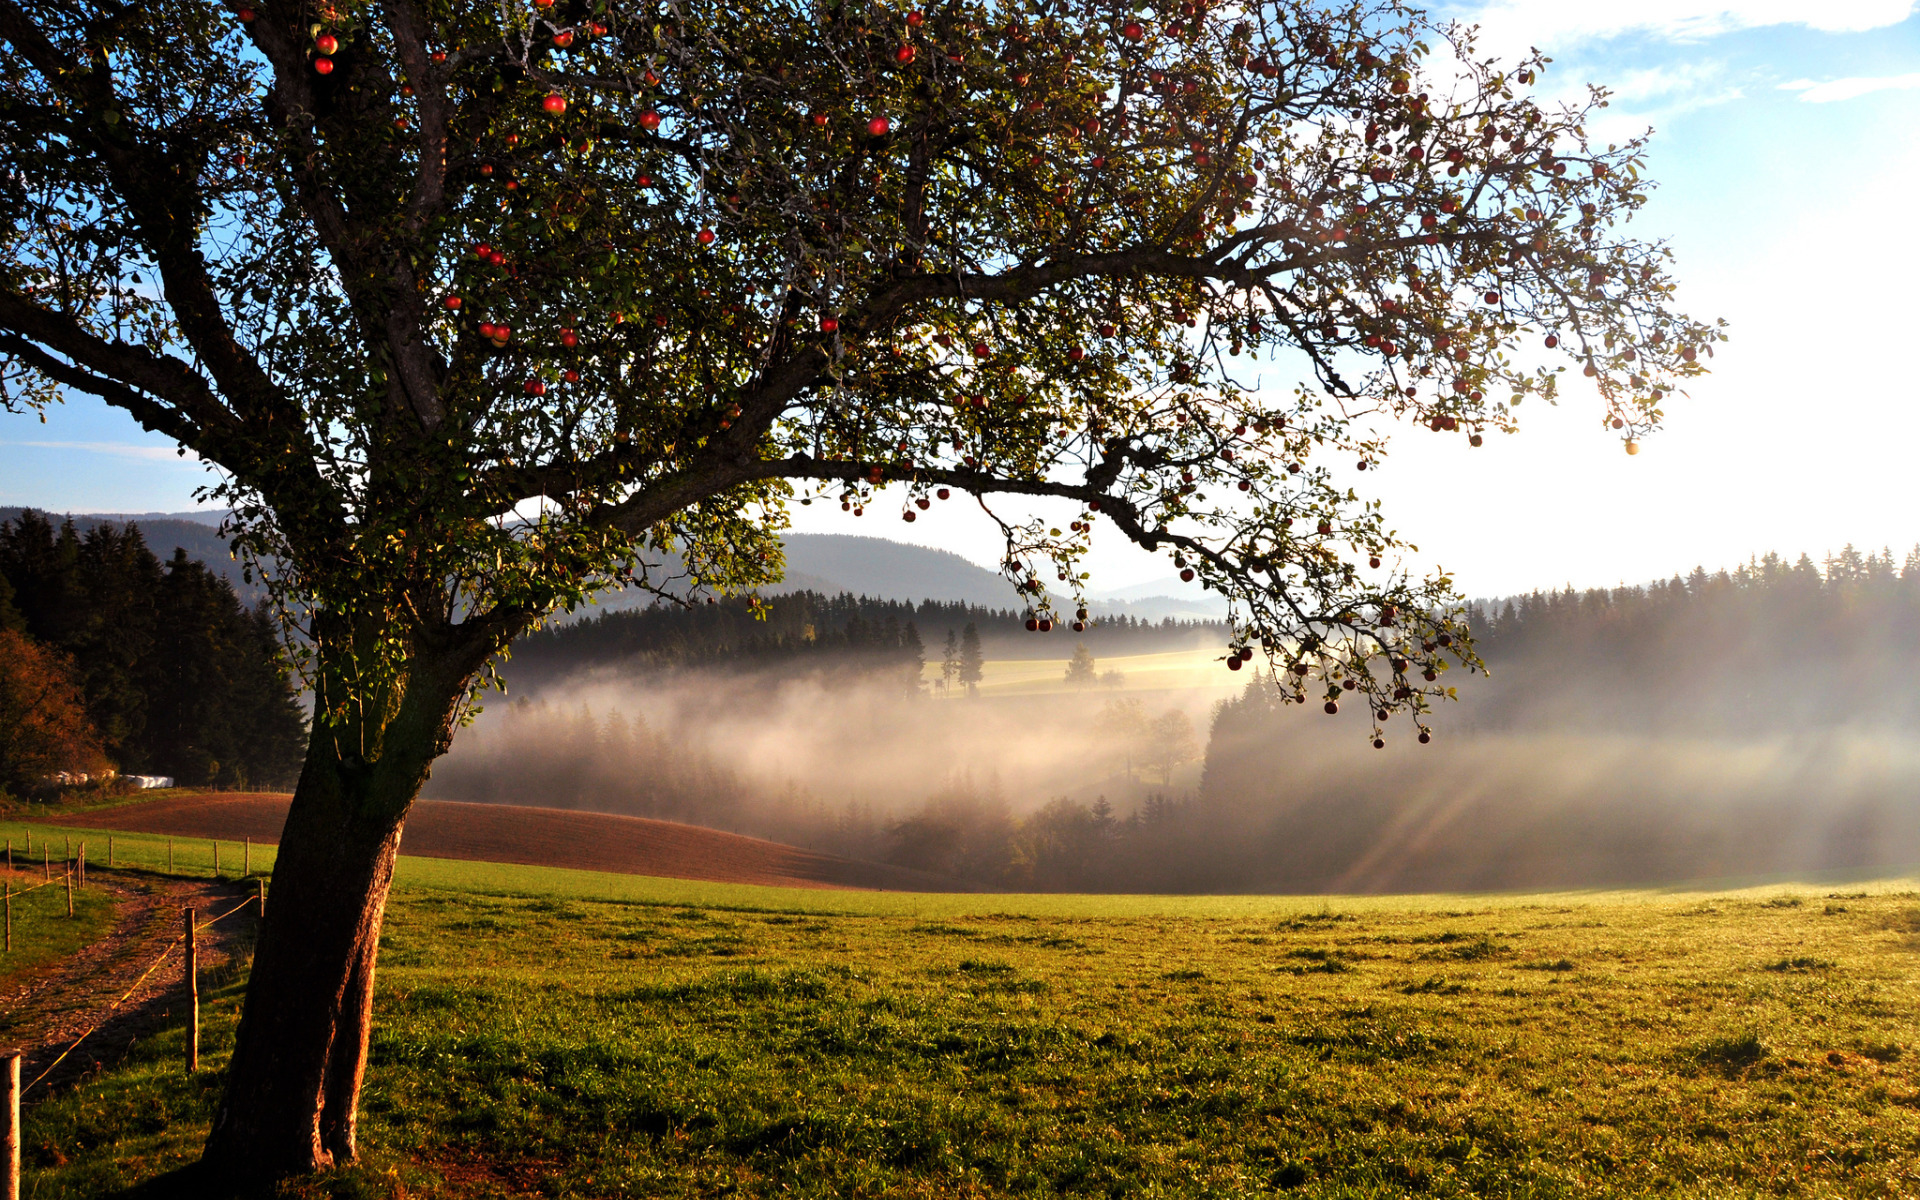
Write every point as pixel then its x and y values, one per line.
pixel 194 857
pixel 510 834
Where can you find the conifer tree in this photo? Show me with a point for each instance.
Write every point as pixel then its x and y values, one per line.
pixel 972 662
pixel 949 662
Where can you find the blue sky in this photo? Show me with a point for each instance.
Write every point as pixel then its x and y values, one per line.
pixel 1787 145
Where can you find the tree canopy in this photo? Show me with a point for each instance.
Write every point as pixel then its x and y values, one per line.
pixel 469 302
pixel 479 307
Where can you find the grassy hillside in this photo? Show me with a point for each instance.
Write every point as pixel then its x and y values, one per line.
pixel 559 1034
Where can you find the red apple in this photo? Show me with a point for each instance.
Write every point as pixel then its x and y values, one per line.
pixel 904 55
pixel 828 324
pixel 650 120
pixel 452 302
pixel 326 43
pixel 1133 31
pixel 555 103
pixel 705 237
pixel 323 65
pixel 879 127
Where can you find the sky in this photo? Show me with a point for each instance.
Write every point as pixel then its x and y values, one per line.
pixel 1786 142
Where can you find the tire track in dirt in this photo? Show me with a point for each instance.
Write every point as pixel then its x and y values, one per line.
pixel 42 1014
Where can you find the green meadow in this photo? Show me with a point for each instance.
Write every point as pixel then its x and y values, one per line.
pixel 566 1034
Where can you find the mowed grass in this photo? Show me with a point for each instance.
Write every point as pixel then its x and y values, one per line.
pixel 766 1043
pixel 43 933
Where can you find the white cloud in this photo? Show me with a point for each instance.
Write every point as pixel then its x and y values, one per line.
pixel 1557 24
pixel 116 449
pixel 1847 89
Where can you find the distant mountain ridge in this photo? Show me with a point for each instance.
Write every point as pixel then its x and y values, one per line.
pixel 195 532
pixel 828 563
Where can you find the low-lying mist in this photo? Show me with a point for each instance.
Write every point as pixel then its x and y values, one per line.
pixel 1182 791
pixel 800 755
pixel 1548 807
pixel 1759 722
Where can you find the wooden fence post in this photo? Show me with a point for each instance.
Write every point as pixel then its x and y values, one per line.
pixel 10 1119
pixel 193 997
pixel 260 910
pixel 69 891
pixel 83 864
pixel 216 860
pixel 46 861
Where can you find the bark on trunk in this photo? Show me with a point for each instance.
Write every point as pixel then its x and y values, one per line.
pixel 293 1086
pixel 295 1076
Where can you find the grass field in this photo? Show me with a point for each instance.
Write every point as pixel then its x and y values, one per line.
pixel 42 931
pixel 560 1034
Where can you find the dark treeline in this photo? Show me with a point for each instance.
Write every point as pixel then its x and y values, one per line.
pixel 178 678
pixel 1769 646
pixel 845 631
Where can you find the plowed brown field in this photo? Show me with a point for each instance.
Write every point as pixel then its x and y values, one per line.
pixel 545 837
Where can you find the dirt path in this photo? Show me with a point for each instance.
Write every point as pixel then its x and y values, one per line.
pixel 42 1014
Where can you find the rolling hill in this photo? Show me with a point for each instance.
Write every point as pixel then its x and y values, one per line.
pixel 547 837
pixel 828 563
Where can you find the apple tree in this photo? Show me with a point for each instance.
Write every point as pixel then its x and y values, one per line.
pixel 476 309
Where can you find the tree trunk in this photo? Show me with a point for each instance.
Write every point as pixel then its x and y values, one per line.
pixel 293 1087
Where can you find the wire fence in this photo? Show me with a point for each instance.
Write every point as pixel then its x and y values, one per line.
pixel 72 874
pixel 165 953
